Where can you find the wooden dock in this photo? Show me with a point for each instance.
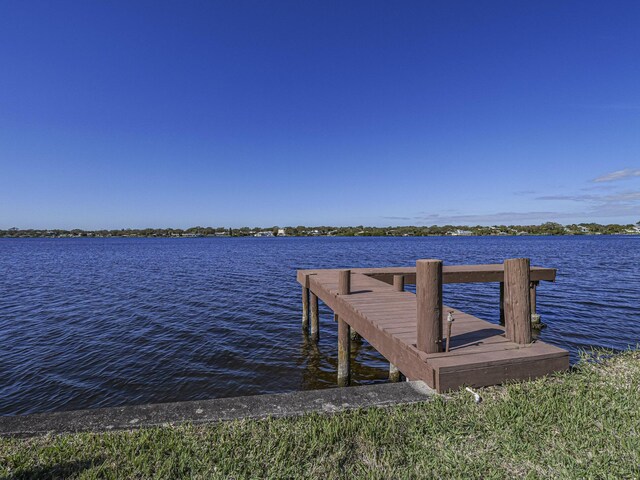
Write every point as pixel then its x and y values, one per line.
pixel 410 330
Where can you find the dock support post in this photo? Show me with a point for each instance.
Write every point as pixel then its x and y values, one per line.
pixel 305 309
pixel 535 318
pixel 429 300
pixel 315 318
pixel 344 334
pixel 501 303
pixel 344 354
pixel 394 373
pixel 344 282
pixel 517 302
pixel 398 283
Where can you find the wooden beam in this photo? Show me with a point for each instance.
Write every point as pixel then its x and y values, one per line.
pixel 429 305
pixel 450 274
pixel 517 303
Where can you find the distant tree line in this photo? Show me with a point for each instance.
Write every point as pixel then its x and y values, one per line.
pixel 548 228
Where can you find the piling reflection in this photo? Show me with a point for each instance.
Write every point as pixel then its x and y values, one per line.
pixel 319 362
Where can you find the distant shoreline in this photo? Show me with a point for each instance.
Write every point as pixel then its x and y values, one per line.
pixel 546 229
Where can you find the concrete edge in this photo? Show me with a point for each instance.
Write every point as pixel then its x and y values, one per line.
pixel 220 409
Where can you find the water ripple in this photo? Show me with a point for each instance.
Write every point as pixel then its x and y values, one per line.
pixel 103 322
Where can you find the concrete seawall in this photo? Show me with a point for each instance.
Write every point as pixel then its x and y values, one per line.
pixel 220 409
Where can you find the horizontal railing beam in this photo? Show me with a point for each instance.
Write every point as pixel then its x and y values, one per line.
pixel 450 274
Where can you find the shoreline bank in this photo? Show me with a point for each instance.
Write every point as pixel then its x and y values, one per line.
pixel 579 424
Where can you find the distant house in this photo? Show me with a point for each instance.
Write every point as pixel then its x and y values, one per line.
pixel 281 232
pixel 460 233
pixel 268 233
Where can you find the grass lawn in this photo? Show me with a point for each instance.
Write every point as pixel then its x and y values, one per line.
pixel 582 424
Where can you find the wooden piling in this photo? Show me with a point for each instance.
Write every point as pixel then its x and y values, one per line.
pixel 305 309
pixel 535 318
pixel 501 303
pixel 315 317
pixel 344 282
pixel 394 373
pixel 398 283
pixel 344 334
pixel 429 300
pixel 344 356
pixel 355 336
pixel 517 302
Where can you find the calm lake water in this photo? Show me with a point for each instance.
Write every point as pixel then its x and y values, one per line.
pixel 103 322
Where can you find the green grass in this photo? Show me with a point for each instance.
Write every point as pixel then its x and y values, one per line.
pixel 582 424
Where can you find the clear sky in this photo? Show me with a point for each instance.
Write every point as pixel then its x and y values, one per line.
pixel 175 114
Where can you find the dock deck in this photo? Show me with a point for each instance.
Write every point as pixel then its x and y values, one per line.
pixel 479 353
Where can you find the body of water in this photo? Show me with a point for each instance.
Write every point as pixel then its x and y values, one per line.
pixel 90 323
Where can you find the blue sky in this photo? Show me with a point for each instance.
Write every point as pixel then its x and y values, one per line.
pixel 136 114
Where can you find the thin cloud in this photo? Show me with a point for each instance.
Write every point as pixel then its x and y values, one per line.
pixel 573 198
pixel 620 204
pixel 618 175
pixel 614 198
pixel 489 218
